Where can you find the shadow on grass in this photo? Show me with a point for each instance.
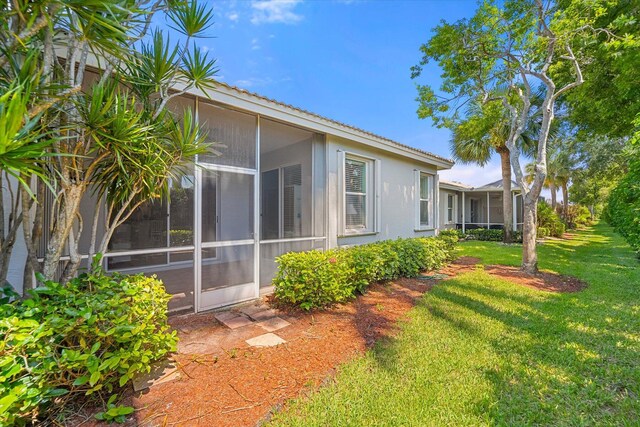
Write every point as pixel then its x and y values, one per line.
pixel 565 359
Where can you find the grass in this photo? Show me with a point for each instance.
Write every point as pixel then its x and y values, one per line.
pixel 478 350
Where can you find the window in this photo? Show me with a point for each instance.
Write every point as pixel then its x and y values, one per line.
pixel 355 178
pixel 360 191
pixel 474 205
pixel 425 207
pixel 292 201
pixel 450 202
pixel 282 214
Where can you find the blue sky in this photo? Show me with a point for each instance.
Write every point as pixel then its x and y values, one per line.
pixel 347 60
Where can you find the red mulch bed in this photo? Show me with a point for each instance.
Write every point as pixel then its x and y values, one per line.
pixel 240 388
pixel 544 281
pixel 243 386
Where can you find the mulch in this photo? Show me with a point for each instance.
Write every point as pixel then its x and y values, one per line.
pixel 244 385
pixel 543 280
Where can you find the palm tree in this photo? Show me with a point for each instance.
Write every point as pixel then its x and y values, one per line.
pixel 478 137
pixel 558 175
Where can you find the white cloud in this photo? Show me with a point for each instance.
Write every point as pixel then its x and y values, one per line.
pixel 275 11
pixel 233 16
pixel 255 44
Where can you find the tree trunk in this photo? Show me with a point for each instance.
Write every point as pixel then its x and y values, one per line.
pixel 64 220
pixel 554 195
pixel 565 200
pixel 507 200
pixel 529 234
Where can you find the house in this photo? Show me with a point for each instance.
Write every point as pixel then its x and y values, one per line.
pixel 284 180
pixel 465 207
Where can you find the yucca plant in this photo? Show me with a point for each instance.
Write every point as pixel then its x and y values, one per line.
pixel 83 111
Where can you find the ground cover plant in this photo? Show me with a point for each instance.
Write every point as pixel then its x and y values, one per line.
pixel 480 350
pixel 90 336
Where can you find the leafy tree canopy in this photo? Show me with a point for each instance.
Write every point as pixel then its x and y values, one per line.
pixel 609 99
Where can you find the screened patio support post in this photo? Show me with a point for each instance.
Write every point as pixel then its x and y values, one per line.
pixel 197 225
pixel 488 212
pixel 256 213
pixel 463 211
pixel 514 211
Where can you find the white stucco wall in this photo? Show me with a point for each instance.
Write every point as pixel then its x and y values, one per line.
pixel 442 199
pixel 398 194
pixel 19 254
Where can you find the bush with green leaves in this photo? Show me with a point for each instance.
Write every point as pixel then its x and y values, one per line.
pixel 90 336
pixel 543 232
pixel 317 279
pixel 450 237
pixel 314 278
pixel 549 219
pixel 623 206
pixel 491 235
pixel 577 216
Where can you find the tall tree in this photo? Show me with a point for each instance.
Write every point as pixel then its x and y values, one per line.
pixel 609 100
pixel 600 162
pixel 515 46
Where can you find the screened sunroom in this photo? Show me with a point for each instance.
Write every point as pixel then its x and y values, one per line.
pixel 259 194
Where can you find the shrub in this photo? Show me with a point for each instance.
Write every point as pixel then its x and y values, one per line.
pixel 577 216
pixel 318 279
pixel 543 232
pixel 91 335
pixel 583 216
pixel 549 219
pixel 623 206
pixel 484 234
pixel 450 237
pixel 314 279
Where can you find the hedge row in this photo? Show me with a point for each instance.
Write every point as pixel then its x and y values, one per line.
pixel 89 336
pixel 623 206
pixel 489 235
pixel 318 279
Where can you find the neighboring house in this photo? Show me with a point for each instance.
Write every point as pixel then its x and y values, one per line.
pixel 465 207
pixel 286 180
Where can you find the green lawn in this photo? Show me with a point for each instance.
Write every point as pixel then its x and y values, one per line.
pixel 481 351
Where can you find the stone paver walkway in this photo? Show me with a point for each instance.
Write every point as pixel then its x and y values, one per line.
pixel 221 332
pixel 259 315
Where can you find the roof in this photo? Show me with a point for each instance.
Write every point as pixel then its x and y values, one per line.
pixel 442 161
pixel 496 184
pixel 492 186
pixel 454 185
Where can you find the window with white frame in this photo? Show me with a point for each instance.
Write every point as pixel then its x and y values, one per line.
pixel 358 195
pixel 450 208
pixel 425 203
